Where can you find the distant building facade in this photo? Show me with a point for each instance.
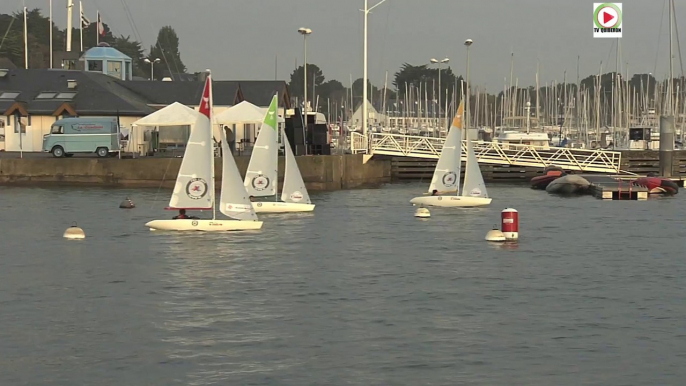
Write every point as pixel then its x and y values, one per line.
pixel 32 99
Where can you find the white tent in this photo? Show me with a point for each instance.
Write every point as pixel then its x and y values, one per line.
pixel 242 113
pixel 176 114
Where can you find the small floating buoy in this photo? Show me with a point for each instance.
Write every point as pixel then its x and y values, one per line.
pixel 422 213
pixel 74 233
pixel 127 204
pixel 495 235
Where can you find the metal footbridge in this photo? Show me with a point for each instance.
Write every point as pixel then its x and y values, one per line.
pixel 398 145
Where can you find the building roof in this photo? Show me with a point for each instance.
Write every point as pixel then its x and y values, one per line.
pixel 105 52
pixel 45 92
pixel 6 63
pixel 260 92
pixel 95 93
pixel 189 93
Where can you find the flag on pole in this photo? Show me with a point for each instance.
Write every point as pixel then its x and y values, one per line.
pixel 101 28
pixel 84 20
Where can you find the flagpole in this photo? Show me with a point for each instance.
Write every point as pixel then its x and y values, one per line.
pixel 50 33
pixel 81 23
pixel 97 30
pixel 70 8
pixel 26 43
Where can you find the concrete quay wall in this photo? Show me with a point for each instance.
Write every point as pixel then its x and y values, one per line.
pixel 320 173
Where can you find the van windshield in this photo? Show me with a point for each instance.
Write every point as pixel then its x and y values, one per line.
pixel 57 129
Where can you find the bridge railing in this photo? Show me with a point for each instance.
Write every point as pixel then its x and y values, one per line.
pixel 492 152
pixel 359 144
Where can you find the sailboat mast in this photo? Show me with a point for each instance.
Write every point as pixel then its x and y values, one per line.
pixel 213 191
pixel 668 106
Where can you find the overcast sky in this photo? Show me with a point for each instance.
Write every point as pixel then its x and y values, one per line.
pixel 240 39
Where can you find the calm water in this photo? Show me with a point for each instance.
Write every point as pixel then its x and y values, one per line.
pixel 360 293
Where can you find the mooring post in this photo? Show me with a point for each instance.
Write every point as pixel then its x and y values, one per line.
pixel 666 145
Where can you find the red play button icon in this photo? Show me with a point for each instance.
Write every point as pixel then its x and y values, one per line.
pixel 607 17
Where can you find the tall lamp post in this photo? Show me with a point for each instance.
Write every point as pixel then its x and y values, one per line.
pixel 304 32
pixel 366 11
pixel 152 66
pixel 434 61
pixel 467 43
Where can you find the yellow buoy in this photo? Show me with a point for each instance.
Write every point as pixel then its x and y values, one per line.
pixel 422 213
pixel 495 235
pixel 74 233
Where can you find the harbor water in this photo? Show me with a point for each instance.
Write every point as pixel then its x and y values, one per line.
pixel 358 293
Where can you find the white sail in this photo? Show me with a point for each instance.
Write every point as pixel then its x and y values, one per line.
pixel 446 176
pixel 293 185
pixel 473 180
pixel 234 201
pixel 261 176
pixel 194 185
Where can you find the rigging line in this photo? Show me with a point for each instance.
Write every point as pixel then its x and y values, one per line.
pixel 678 45
pixel 159 187
pixel 7 32
pixel 659 36
pixel 132 21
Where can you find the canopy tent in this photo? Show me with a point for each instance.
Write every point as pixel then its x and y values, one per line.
pixel 176 114
pixel 244 112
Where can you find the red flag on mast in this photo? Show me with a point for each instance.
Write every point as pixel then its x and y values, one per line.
pixel 101 28
pixel 205 101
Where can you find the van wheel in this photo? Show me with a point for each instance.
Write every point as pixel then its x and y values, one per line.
pixel 57 152
pixel 102 152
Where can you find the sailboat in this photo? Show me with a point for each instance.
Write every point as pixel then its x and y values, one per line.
pixel 261 178
pixel 446 176
pixel 194 188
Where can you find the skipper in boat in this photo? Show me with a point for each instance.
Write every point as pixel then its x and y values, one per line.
pixel 182 216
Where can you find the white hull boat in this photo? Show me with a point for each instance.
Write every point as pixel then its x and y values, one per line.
pixel 446 177
pixel 203 225
pixel 281 207
pixel 451 201
pixel 261 177
pixel 194 188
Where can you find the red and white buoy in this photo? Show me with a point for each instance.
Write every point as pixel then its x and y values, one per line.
pixel 510 223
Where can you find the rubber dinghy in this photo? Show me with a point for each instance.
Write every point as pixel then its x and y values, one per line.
pixel 570 184
pixel 657 185
pixel 550 174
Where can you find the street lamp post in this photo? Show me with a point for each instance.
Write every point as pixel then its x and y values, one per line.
pixel 366 11
pixel 152 66
pixel 304 32
pixel 434 61
pixel 467 43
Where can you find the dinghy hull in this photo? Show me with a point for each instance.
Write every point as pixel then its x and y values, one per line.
pixel 281 207
pixel 203 225
pixel 451 201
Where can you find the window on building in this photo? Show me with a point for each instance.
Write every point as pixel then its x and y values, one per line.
pixel 95 65
pixel 8 95
pixel 20 124
pixel 65 95
pixel 46 95
pixel 114 69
